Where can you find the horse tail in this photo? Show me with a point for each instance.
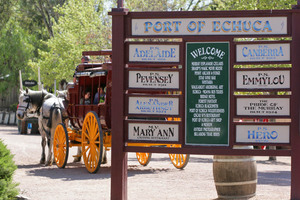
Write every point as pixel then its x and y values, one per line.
pixel 56 110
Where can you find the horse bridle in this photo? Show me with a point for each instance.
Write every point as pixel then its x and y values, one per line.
pixel 28 101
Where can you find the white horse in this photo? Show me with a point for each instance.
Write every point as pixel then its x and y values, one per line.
pixel 50 112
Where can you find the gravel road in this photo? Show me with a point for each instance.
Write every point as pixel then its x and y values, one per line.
pixel 160 180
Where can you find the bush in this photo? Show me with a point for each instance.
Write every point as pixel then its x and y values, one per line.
pixel 8 189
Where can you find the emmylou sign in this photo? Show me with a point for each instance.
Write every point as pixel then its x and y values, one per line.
pixel 154 79
pixel 153 53
pixel 153 105
pixel 259 79
pixel 263 133
pixel 210 26
pixel 263 106
pixel 151 131
pixel 263 52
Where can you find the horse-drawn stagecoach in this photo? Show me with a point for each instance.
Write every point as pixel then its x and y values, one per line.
pixel 89 126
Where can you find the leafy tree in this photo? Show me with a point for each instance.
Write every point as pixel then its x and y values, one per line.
pixel 5 12
pixel 15 50
pixel 82 26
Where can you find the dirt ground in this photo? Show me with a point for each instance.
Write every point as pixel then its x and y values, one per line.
pixel 160 180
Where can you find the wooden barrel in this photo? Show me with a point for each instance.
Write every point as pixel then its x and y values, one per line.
pixel 235 176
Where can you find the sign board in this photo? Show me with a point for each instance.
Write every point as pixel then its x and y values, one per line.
pixel 263 52
pixel 263 133
pixel 153 79
pixel 263 79
pixel 153 53
pixel 153 105
pixel 153 131
pixel 263 106
pixel 207 93
pixel 210 26
pixel 29 83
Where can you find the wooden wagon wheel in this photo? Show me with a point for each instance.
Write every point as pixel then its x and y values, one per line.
pixel 61 145
pixel 143 158
pixel 179 160
pixel 92 142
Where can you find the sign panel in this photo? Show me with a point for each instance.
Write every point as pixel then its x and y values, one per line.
pixel 263 133
pixel 263 52
pixel 263 106
pixel 153 79
pixel 207 93
pixel 29 83
pixel 263 79
pixel 151 131
pixel 153 105
pixel 210 26
pixel 153 53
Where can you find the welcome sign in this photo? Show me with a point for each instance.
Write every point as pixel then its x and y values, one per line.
pixel 210 26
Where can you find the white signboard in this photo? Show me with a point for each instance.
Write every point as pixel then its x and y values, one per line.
pixel 157 132
pixel 263 79
pixel 154 79
pixel 263 106
pixel 153 105
pixel 263 133
pixel 153 53
pixel 210 26
pixel 263 52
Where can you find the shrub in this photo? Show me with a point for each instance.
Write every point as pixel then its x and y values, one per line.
pixel 8 189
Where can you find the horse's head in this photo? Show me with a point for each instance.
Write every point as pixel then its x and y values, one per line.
pixel 29 102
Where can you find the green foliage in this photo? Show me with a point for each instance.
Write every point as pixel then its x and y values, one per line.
pixel 251 4
pixel 13 107
pixel 83 26
pixel 8 189
pixel 15 50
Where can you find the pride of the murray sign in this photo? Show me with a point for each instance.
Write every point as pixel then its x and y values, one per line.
pixel 211 26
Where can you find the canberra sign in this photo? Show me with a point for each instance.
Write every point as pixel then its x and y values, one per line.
pixel 210 26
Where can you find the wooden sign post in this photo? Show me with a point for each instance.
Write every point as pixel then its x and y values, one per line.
pixel 182 73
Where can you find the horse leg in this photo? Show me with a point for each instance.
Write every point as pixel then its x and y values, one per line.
pixel 43 143
pixel 49 157
pixel 104 158
pixel 77 158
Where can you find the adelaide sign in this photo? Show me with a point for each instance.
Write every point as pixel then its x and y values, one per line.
pixel 210 26
pixel 153 53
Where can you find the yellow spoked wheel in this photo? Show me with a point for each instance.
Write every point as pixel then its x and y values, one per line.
pixel 143 158
pixel 179 160
pixel 92 142
pixel 61 146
